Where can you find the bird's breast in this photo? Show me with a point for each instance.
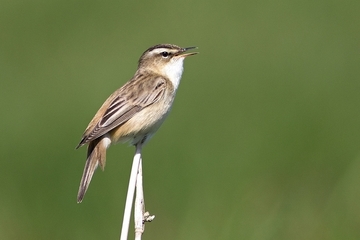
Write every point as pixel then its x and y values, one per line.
pixel 144 123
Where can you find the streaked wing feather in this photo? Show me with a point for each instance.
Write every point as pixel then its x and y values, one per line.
pixel 122 108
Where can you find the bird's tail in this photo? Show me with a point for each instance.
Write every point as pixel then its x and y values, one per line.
pixel 96 156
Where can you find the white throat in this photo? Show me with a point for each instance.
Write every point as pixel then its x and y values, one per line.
pixel 173 70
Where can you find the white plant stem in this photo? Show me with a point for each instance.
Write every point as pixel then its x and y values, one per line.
pixel 139 209
pixel 130 193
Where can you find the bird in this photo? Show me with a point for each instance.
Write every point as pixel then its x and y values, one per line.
pixel 135 111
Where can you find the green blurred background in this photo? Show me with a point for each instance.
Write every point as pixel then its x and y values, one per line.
pixel 262 142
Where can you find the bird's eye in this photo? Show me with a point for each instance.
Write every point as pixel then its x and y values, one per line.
pixel 165 54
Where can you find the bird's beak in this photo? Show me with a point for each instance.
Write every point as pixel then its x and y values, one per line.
pixel 183 54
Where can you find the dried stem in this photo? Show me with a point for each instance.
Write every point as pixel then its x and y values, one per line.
pixel 130 193
pixel 140 215
pixel 139 205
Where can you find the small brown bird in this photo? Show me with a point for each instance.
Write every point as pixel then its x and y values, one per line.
pixel 135 111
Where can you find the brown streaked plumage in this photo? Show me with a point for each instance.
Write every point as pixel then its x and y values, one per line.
pixel 135 111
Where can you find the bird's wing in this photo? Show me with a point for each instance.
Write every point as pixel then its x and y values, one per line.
pixel 123 104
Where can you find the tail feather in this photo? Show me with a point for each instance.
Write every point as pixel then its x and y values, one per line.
pixel 96 156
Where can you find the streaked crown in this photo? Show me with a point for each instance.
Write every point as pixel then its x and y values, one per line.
pixel 165 60
pixel 162 54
